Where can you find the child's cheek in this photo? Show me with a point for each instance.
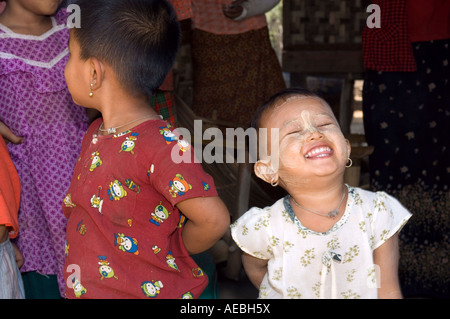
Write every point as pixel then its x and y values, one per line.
pixel 290 151
pixel 341 150
pixel 290 161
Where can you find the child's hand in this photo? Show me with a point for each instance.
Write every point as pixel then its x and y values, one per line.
pixel 233 10
pixel 8 135
pixel 18 255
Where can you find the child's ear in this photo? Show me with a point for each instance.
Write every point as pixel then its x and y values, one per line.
pixel 263 169
pixel 95 73
pixel 349 148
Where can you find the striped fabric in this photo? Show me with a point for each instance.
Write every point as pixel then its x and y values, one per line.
pixel 11 286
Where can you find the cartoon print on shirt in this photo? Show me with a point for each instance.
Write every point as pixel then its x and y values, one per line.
pixel 126 244
pixel 78 288
pixel 184 145
pixel 116 190
pixel 181 221
pixel 66 249
pixel 187 295
pixel 129 144
pixel 81 228
pixel 197 272
pixel 96 161
pixel 167 134
pixel 178 186
pixel 105 270
pixel 170 260
pixel 151 170
pixel 96 201
pixel 68 201
pixel 152 288
pixel 206 186
pixel 160 214
pixel 156 249
pixel 132 186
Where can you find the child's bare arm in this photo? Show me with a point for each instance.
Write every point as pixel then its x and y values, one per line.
pixel 255 268
pixel 207 221
pixel 386 257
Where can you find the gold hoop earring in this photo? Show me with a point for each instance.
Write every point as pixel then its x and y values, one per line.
pixel 91 93
pixel 274 183
pixel 349 163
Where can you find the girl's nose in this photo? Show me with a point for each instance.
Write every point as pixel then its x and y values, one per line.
pixel 315 135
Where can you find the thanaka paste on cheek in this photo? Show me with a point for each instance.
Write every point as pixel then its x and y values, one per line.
pixel 305 125
pixel 290 152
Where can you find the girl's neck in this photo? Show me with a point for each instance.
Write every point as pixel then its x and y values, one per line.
pixel 320 200
pixel 318 197
pixel 22 21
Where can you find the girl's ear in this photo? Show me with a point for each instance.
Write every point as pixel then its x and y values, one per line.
pixel 349 148
pixel 263 169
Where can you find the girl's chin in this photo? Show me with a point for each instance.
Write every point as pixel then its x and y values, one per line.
pixel 312 170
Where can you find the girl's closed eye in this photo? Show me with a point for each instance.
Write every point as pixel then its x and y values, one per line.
pixel 301 130
pixel 297 130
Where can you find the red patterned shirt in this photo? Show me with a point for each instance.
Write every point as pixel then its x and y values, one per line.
pixel 389 48
pixel 124 229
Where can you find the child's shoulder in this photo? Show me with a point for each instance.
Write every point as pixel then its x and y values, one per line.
pixel 379 206
pixel 278 206
pixel 265 213
pixel 157 133
pixel 361 196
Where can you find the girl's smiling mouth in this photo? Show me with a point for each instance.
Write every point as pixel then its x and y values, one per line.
pixel 319 151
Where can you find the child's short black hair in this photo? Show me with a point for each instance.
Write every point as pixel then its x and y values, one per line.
pixel 139 39
pixel 283 95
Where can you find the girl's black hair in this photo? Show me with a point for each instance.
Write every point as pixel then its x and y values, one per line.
pixel 283 94
pixel 139 39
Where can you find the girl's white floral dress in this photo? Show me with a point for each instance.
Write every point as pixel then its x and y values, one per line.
pixel 335 264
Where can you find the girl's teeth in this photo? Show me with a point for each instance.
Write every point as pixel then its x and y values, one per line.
pixel 318 150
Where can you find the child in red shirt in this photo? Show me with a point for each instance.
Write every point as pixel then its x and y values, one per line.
pixel 134 215
pixel 11 286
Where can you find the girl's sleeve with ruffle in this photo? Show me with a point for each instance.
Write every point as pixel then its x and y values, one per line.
pixel 251 233
pixel 389 218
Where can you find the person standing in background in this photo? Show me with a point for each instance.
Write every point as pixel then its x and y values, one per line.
pixel 406 104
pixel 46 128
pixel 235 66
